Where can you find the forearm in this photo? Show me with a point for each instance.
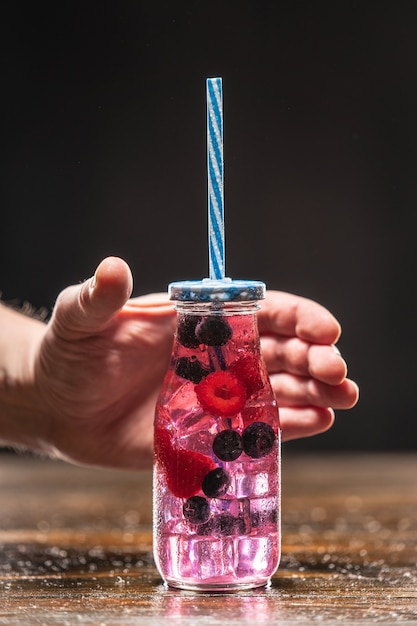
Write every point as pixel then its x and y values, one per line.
pixel 20 418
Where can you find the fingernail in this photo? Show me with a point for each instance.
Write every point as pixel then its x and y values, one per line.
pixel 336 349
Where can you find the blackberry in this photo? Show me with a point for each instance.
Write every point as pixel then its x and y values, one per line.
pixel 227 445
pixel 256 519
pixel 216 483
pixel 196 510
pixel 191 369
pixel 214 331
pixel 205 529
pixel 259 518
pixel 258 439
pixel 241 526
pixel 186 331
pixel 225 524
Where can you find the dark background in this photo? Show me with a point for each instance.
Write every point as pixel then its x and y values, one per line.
pixel 103 152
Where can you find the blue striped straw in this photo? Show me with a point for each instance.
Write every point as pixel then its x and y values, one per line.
pixel 215 178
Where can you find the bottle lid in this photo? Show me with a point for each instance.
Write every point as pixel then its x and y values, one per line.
pixel 209 290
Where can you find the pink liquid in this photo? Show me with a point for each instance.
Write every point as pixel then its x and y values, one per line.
pixel 228 539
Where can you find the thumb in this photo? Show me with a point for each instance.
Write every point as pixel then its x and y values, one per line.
pixel 88 308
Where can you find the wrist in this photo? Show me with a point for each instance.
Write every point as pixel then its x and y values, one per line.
pixel 21 422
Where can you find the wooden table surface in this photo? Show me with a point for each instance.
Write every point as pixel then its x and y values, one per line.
pixel 75 548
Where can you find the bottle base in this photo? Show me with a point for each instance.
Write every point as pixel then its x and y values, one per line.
pixel 190 585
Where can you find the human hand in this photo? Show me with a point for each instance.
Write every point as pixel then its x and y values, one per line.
pixel 99 364
pixel 307 372
pixel 100 367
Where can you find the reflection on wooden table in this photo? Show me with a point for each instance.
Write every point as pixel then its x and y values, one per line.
pixel 76 547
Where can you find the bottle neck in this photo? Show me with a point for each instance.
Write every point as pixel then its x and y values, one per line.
pixel 226 329
pixel 217 308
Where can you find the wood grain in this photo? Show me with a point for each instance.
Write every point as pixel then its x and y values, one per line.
pixel 76 548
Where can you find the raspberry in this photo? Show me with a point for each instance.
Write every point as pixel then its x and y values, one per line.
pixel 196 510
pixel 216 483
pixel 191 369
pixel 162 443
pixel 214 331
pixel 184 469
pixel 227 445
pixel 221 393
pixel 258 439
pixel 247 369
pixel 186 331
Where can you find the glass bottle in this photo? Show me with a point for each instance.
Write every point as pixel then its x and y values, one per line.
pixel 217 445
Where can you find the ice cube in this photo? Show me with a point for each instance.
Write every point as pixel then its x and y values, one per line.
pixel 251 481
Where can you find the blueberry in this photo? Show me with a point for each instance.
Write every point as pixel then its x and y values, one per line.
pixel 196 510
pixel 216 483
pixel 227 445
pixel 191 369
pixel 213 331
pixel 186 331
pixel 258 439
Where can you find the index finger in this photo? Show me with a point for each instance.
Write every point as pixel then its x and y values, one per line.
pixel 294 316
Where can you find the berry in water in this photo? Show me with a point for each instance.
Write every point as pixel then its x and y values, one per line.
pixel 258 439
pixel 191 369
pixel 227 445
pixel 196 510
pixel 184 469
pixel 214 331
pixel 221 393
pixel 186 331
pixel 216 483
pixel 185 472
pixel 226 524
pixel 246 368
